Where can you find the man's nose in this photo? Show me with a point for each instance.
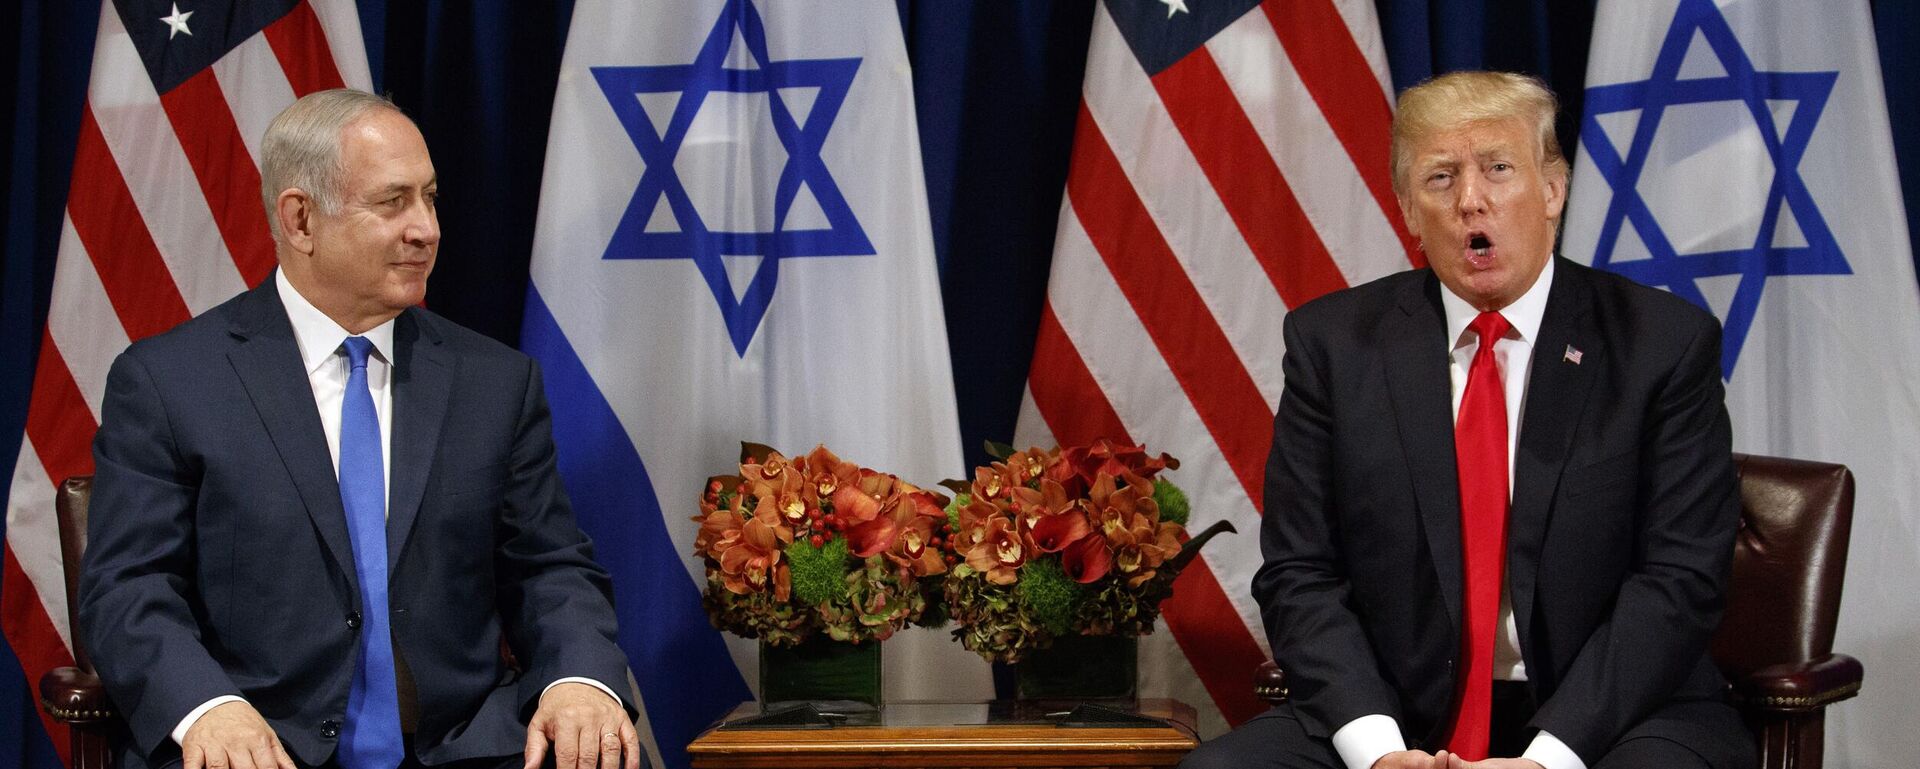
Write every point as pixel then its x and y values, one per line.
pixel 424 230
pixel 1472 199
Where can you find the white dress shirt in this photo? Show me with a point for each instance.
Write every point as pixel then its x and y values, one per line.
pixel 1364 740
pixel 321 342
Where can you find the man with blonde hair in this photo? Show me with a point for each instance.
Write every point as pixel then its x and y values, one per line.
pixel 1500 503
pixel 321 513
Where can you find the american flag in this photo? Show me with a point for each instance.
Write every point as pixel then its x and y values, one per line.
pixel 163 220
pixel 1230 162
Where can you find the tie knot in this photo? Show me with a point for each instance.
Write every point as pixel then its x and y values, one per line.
pixel 1490 326
pixel 358 347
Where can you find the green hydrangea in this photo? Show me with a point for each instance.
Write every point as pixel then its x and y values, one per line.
pixel 1049 594
pixel 877 604
pixel 819 573
pixel 1172 502
pixel 756 615
pixel 991 620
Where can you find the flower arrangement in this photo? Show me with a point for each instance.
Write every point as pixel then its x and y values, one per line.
pixel 1085 540
pixel 815 544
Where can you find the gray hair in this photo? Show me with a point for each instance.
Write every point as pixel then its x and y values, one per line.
pixel 302 148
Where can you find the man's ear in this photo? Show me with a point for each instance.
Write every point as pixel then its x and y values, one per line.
pixel 294 209
pixel 1556 189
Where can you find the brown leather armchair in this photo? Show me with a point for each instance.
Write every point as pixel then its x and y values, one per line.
pixel 73 695
pixel 1775 644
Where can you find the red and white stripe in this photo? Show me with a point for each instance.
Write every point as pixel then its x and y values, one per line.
pixel 163 221
pixel 1201 204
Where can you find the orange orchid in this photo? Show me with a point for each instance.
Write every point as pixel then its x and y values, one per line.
pixel 1140 546
pixel 999 553
pixel 750 563
pixel 826 472
pixel 785 490
pixel 1113 506
pixel 991 482
pixel 717 524
pixel 914 520
pixel 972 520
pixel 769 467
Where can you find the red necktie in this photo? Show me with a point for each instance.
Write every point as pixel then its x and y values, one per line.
pixel 1480 449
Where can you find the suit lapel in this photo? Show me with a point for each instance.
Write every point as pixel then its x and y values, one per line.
pixel 267 360
pixel 1414 342
pixel 422 378
pixel 1557 390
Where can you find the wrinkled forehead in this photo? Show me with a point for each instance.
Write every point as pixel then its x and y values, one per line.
pixel 383 149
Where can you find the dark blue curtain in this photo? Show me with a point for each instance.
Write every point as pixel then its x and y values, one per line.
pixel 1897 25
pixel 45 78
pixel 997 86
pixel 1545 38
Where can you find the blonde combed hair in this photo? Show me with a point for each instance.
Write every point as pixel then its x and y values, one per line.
pixel 1459 99
pixel 301 148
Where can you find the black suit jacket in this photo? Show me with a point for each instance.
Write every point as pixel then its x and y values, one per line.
pixel 1620 532
pixel 218 559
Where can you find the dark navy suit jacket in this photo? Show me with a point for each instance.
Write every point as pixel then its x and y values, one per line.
pixel 218 559
pixel 1619 539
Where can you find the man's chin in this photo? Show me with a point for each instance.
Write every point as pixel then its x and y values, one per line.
pixel 1483 288
pixel 410 295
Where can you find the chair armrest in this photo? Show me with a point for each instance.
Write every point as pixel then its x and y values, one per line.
pixel 1799 687
pixel 75 697
pixel 1270 683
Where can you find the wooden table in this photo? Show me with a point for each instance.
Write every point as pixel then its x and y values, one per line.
pixel 952 735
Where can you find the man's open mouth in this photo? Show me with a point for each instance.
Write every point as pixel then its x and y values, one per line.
pixel 1479 244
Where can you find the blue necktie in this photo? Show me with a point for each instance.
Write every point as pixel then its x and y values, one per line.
pixel 370 739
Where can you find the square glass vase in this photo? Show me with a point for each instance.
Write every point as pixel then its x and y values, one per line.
pixel 1079 668
pixel 836 674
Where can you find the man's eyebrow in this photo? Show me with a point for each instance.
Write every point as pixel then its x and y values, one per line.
pixel 393 187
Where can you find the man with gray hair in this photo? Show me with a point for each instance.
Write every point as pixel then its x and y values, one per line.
pixel 1500 501
pixel 326 528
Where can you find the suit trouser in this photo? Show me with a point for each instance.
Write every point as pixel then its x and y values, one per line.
pixel 1702 735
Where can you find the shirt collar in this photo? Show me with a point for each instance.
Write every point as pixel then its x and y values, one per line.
pixel 1524 315
pixel 317 335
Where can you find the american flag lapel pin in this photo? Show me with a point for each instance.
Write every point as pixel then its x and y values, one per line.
pixel 1573 355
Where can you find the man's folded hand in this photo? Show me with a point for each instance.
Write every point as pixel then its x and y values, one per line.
pixel 1415 759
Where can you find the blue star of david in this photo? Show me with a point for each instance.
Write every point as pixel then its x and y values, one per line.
pixel 1742 83
pixel 694 239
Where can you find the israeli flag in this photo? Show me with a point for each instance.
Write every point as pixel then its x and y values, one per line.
pixel 1738 154
pixel 733 244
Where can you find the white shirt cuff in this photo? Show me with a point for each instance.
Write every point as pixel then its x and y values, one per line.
pixel 180 732
pixel 1549 752
pixel 1365 739
pixel 616 698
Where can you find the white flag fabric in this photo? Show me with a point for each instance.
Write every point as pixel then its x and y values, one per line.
pixel 1738 154
pixel 733 244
